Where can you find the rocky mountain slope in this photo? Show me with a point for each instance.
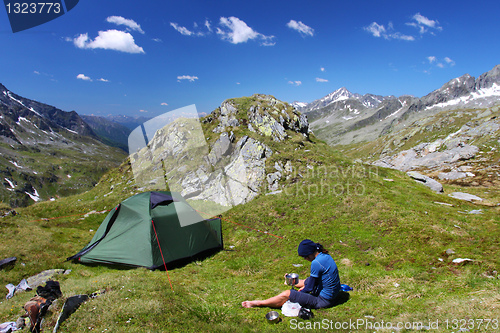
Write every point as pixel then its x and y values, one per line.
pixel 47 152
pixel 459 147
pixel 450 135
pixel 344 118
pixel 227 159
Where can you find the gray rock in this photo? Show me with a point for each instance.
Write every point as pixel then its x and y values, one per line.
pixel 465 196
pixel 453 175
pixel 274 192
pixel 487 79
pixel 427 181
pixel 272 180
pixel 220 148
pixel 450 252
pixel 268 126
pixel 278 166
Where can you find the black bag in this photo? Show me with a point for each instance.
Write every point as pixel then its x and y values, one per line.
pixel 305 314
pixel 51 291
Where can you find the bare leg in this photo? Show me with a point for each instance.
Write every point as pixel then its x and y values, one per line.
pixel 273 302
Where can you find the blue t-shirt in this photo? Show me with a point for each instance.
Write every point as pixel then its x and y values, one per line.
pixel 323 267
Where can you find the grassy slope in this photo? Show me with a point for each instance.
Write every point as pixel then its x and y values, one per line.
pixel 385 236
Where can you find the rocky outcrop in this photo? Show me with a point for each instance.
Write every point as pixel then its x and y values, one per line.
pixel 426 155
pixel 266 116
pixel 231 170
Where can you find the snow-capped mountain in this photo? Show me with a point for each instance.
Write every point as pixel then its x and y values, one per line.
pixel 298 105
pixel 47 117
pixel 343 117
pixel 466 91
pixel 343 97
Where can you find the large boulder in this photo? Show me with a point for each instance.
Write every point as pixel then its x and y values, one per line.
pixel 427 181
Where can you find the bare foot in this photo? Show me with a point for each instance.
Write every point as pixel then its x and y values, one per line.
pixel 249 304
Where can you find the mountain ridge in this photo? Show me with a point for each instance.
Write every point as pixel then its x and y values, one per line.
pixel 343 117
pixel 47 152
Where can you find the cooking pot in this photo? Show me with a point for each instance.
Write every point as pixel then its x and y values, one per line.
pixel 292 279
pixel 273 317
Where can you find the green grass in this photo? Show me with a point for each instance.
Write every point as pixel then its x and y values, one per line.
pixel 386 237
pixel 389 239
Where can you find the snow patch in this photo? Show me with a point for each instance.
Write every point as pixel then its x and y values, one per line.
pixel 397 111
pixel 31 108
pixel 23 119
pixel 35 196
pixel 493 91
pixel 17 165
pixel 8 94
pixel 10 183
pixel 12 98
pixel 67 129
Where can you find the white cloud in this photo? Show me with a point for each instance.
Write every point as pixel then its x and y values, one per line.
pixel 187 77
pixel 103 80
pixel 424 24
pixel 449 61
pixel 322 69
pixel 186 32
pixel 425 21
pixel 158 40
pixel 208 25
pixel 300 27
pixel 109 40
pixel 143 110
pixel 37 72
pixel 118 20
pixel 295 83
pixel 236 31
pixel 441 64
pixel 398 35
pixel 379 30
pixel 164 104
pixel 375 29
pixel 318 79
pixel 83 77
pixel 183 30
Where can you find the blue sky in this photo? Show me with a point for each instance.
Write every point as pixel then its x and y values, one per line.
pixel 149 57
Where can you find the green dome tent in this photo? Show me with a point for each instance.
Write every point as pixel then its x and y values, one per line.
pixel 150 229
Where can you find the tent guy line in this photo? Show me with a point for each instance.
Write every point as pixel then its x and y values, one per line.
pixel 161 252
